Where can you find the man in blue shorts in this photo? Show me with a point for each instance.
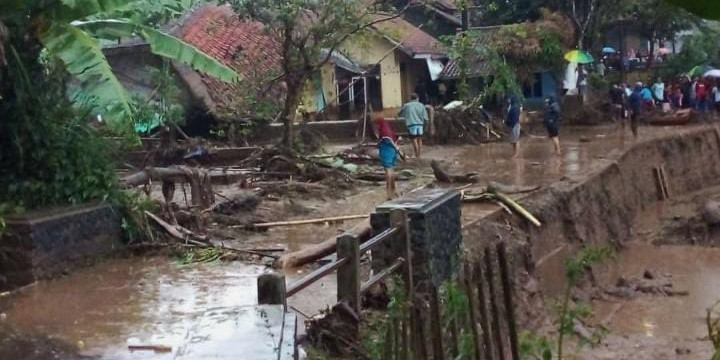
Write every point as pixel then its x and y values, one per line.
pixel 415 116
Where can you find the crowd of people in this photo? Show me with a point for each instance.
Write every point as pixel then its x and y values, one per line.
pixel 701 94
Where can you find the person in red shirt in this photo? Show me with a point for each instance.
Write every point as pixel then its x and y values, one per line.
pixel 702 94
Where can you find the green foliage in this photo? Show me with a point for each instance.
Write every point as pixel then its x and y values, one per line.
pixel 713 326
pixel 162 106
pixel 69 31
pixel 48 152
pixel 135 223
pixel 702 8
pixel 157 12
pixel 699 48
pixel 374 332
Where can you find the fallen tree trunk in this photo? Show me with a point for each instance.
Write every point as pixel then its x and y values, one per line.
pixel 318 251
pixel 442 175
pixel 283 186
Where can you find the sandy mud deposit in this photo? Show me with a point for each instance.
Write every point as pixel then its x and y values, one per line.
pixel 652 297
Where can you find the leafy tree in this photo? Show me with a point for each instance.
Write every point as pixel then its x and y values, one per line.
pixel 304 29
pixel 703 8
pixel 657 19
pixel 501 12
pixel 68 30
pixel 49 153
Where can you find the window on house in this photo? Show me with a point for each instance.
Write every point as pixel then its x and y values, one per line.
pixel 533 88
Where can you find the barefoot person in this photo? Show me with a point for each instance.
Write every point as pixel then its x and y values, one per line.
pixel 415 116
pixel 512 121
pixel 552 122
pixel 388 151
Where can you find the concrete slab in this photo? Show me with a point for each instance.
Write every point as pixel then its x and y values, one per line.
pixel 263 332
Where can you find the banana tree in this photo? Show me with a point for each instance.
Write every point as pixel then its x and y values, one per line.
pixel 69 30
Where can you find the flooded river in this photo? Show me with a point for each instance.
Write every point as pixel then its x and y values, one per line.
pixel 102 309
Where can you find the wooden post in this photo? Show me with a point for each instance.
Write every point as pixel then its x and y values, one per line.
pixel 348 275
pixel 493 304
pixel 271 289
pixel 404 342
pixel 484 318
pixel 436 324
pixel 471 310
pixel 421 345
pixel 399 219
pixel 507 281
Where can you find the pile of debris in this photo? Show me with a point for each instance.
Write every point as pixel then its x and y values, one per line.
pixel 649 283
pixel 458 123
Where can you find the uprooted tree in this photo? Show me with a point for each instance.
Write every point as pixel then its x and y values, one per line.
pixel 309 32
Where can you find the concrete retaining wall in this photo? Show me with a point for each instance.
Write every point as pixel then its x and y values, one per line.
pixel 44 244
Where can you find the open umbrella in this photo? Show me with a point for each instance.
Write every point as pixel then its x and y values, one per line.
pixel 712 73
pixel 579 56
pixel 700 70
pixel 608 50
pixel 664 51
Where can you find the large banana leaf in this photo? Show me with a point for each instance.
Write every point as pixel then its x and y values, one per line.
pixel 708 9
pixel 161 44
pixel 85 61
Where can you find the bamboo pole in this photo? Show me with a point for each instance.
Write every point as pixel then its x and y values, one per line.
pixel 303 222
pixel 507 281
pixel 484 318
pixel 436 324
pixel 471 307
pixel 517 208
pixel 493 304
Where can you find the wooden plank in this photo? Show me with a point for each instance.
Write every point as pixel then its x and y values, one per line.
pixel 484 317
pixel 507 281
pixel 271 289
pixel 494 309
pixel 382 274
pixel 436 324
pixel 310 278
pixel 470 291
pixel 378 239
pixel 420 340
pixel 665 181
pixel 348 275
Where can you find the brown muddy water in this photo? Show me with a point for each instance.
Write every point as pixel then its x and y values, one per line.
pixel 102 309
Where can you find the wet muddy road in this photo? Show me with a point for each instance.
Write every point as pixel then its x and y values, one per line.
pixel 102 309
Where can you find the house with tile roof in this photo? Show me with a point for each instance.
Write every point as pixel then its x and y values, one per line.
pixel 393 60
pixel 399 59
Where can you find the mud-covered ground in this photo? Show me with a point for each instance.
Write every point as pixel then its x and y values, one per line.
pixel 670 322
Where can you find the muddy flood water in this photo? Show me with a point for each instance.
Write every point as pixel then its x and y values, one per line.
pixel 102 309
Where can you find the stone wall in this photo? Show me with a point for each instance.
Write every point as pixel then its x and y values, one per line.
pixel 47 243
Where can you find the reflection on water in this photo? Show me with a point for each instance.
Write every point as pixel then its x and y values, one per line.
pixel 129 301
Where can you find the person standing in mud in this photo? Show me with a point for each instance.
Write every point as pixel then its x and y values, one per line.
pixel 552 122
pixel 416 116
pixel 636 102
pixel 388 151
pixel 512 121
